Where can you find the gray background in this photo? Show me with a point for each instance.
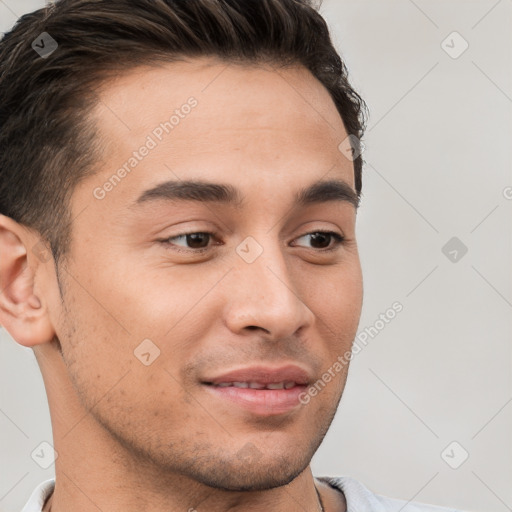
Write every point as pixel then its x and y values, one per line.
pixel 438 164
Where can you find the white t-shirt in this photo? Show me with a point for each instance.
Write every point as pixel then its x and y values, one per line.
pixel 359 498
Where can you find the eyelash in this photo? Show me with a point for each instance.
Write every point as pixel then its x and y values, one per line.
pixel 339 240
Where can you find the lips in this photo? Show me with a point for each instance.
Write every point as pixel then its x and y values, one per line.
pixel 262 377
pixel 259 390
pixel 258 385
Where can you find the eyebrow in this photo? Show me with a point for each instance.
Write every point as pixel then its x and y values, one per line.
pixel 205 191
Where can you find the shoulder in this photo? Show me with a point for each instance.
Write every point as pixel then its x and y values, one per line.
pixel 39 496
pixel 362 499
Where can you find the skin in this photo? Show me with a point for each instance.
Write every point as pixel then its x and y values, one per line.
pixel 135 437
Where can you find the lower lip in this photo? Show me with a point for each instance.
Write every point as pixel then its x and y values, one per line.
pixel 264 402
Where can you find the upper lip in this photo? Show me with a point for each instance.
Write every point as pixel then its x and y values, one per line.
pixel 264 375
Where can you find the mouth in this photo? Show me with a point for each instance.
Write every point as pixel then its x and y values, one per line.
pixel 258 398
pixel 261 391
pixel 255 385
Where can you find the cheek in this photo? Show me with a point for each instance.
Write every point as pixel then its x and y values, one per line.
pixel 336 302
pixel 113 380
pixel 133 350
pixel 96 348
pixel 335 297
pixel 154 300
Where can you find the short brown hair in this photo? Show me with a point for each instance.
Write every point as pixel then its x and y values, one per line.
pixel 47 141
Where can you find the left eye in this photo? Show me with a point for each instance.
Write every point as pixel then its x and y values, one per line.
pixel 198 241
pixel 323 238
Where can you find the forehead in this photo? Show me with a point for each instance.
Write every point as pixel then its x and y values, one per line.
pixel 245 94
pixel 241 123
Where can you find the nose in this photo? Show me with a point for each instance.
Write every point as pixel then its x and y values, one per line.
pixel 264 295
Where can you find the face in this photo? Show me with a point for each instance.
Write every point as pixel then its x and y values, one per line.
pixel 167 292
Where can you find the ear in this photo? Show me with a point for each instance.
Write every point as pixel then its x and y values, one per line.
pixel 23 311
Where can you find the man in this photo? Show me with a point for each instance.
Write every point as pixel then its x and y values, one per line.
pixel 179 188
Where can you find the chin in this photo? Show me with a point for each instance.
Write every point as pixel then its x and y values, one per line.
pixel 257 477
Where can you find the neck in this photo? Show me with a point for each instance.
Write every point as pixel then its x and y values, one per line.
pixel 52 504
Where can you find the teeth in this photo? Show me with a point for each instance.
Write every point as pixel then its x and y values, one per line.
pixel 258 385
pixel 241 384
pixel 276 385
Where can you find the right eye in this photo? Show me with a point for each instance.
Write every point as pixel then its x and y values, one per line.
pixel 197 241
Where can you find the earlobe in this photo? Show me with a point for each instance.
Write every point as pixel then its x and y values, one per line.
pixel 22 312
